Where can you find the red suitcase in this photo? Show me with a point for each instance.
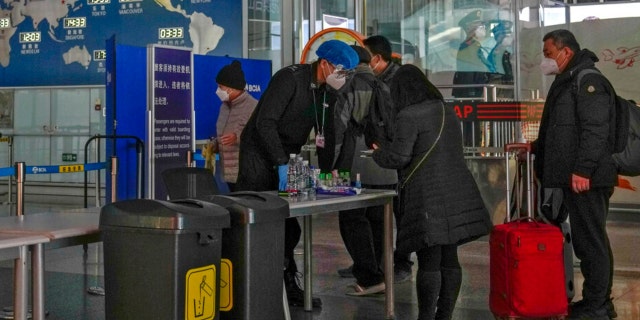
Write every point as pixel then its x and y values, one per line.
pixel 527 277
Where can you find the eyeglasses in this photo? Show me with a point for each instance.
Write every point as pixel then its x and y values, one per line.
pixel 337 67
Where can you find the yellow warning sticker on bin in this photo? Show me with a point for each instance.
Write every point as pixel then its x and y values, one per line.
pixel 226 285
pixel 200 295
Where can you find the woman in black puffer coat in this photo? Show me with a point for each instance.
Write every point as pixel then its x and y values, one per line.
pixel 441 201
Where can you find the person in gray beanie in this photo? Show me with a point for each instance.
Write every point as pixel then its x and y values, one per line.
pixel 289 108
pixel 237 106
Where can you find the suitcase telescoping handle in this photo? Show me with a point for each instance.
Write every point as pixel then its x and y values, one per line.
pixel 515 149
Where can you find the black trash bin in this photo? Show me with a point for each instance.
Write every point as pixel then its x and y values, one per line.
pixel 254 244
pixel 162 259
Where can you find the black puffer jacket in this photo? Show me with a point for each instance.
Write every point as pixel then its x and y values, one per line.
pixel 285 115
pixel 441 203
pixel 576 131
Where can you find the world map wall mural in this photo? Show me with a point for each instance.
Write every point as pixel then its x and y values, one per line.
pixel 62 42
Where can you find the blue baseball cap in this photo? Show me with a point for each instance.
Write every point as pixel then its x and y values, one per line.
pixel 338 53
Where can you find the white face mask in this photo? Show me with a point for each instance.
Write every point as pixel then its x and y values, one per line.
pixel 223 95
pixel 336 80
pixel 481 32
pixel 550 66
pixel 373 67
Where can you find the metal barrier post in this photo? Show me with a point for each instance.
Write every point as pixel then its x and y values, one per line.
pixel 20 174
pixel 97 175
pixel 139 167
pixel 190 159
pixel 10 194
pixel 20 265
pixel 114 176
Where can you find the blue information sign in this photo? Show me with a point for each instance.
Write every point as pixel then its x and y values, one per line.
pixel 172 111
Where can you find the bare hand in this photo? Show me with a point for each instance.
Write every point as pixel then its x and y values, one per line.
pixel 228 139
pixel 580 184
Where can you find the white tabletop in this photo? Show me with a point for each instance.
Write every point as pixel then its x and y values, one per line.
pixel 9 243
pixel 333 203
pixel 54 225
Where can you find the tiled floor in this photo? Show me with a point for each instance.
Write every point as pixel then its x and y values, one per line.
pixel 68 278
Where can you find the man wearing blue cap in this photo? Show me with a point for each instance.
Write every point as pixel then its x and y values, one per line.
pixel 289 108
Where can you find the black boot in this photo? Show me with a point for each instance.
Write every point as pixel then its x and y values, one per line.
pixel 428 288
pixel 449 290
pixel 295 294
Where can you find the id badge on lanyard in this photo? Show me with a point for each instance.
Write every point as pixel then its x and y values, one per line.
pixel 320 136
pixel 320 140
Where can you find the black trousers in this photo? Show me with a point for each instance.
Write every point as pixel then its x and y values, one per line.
pixel 362 231
pixel 257 174
pixel 588 217
pixel 436 258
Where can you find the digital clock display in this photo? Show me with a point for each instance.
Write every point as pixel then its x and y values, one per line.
pixel 77 22
pixel 99 55
pixel 5 23
pixel 33 36
pixel 171 33
pixel 90 2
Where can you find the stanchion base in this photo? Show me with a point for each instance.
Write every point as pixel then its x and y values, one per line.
pixel 98 291
pixel 7 313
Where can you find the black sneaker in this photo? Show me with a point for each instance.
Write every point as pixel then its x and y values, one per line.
pixel 346 272
pixel 401 275
pixel 577 307
pixel 295 295
pixel 611 309
pixel 583 311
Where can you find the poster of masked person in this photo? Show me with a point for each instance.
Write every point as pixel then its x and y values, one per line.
pixel 500 57
pixel 472 64
pixel 472 68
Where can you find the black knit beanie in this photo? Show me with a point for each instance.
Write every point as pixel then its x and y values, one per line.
pixel 232 76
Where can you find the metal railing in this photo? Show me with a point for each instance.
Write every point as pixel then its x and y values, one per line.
pixel 139 165
pixel 20 170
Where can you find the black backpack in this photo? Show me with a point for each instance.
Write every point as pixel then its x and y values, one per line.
pixel 622 106
pixel 628 161
pixel 379 125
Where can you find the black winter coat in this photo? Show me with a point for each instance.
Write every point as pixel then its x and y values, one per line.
pixel 577 128
pixel 285 115
pixel 441 203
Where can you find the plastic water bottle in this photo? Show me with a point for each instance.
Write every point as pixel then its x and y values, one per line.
pixel 301 181
pixel 313 180
pixel 306 175
pixel 292 176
